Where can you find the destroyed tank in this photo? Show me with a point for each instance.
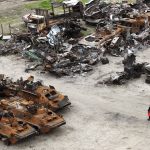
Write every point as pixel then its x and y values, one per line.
pixel 44 95
pixel 35 91
pixel 13 129
pixel 42 119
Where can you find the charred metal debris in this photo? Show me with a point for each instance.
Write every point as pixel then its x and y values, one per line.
pixel 56 44
pixel 132 70
pixel 28 108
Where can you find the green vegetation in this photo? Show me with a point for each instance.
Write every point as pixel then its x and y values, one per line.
pixel 89 30
pixel 84 1
pixel 44 4
pixel 7 20
pixel 12 16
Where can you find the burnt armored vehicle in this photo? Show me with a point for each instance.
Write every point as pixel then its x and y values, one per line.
pixel 42 119
pixel 44 95
pixel 47 96
pixel 13 129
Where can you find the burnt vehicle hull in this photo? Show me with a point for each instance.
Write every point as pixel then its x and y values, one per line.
pixel 18 137
pixel 42 119
pixel 43 123
pixel 54 99
pixel 46 96
pixel 13 130
pixel 54 103
pixel 43 95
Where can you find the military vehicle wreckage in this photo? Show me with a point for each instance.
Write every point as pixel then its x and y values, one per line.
pixel 56 44
pixel 13 129
pixel 39 117
pixel 26 108
pixel 59 47
pixel 38 93
pixel 132 70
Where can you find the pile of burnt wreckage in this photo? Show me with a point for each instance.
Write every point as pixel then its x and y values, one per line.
pixel 28 108
pixel 56 43
pixel 132 70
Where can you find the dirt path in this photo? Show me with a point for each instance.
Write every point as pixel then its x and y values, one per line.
pixel 8 5
pixel 11 12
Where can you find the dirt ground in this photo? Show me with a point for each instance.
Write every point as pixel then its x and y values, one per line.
pixel 10 4
pixel 11 12
pixel 100 118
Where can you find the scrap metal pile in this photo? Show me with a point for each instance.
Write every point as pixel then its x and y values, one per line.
pixel 132 70
pixel 78 60
pixel 58 46
pixel 97 11
pixel 28 108
pixel 120 27
pixel 53 53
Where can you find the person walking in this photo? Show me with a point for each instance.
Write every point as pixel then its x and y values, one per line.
pixel 148 114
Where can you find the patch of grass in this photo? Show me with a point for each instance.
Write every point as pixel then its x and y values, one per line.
pixel 84 1
pixel 7 20
pixel 89 30
pixel 43 4
pixel 11 16
pixel 1 42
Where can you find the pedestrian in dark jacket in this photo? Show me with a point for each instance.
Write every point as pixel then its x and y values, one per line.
pixel 148 114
